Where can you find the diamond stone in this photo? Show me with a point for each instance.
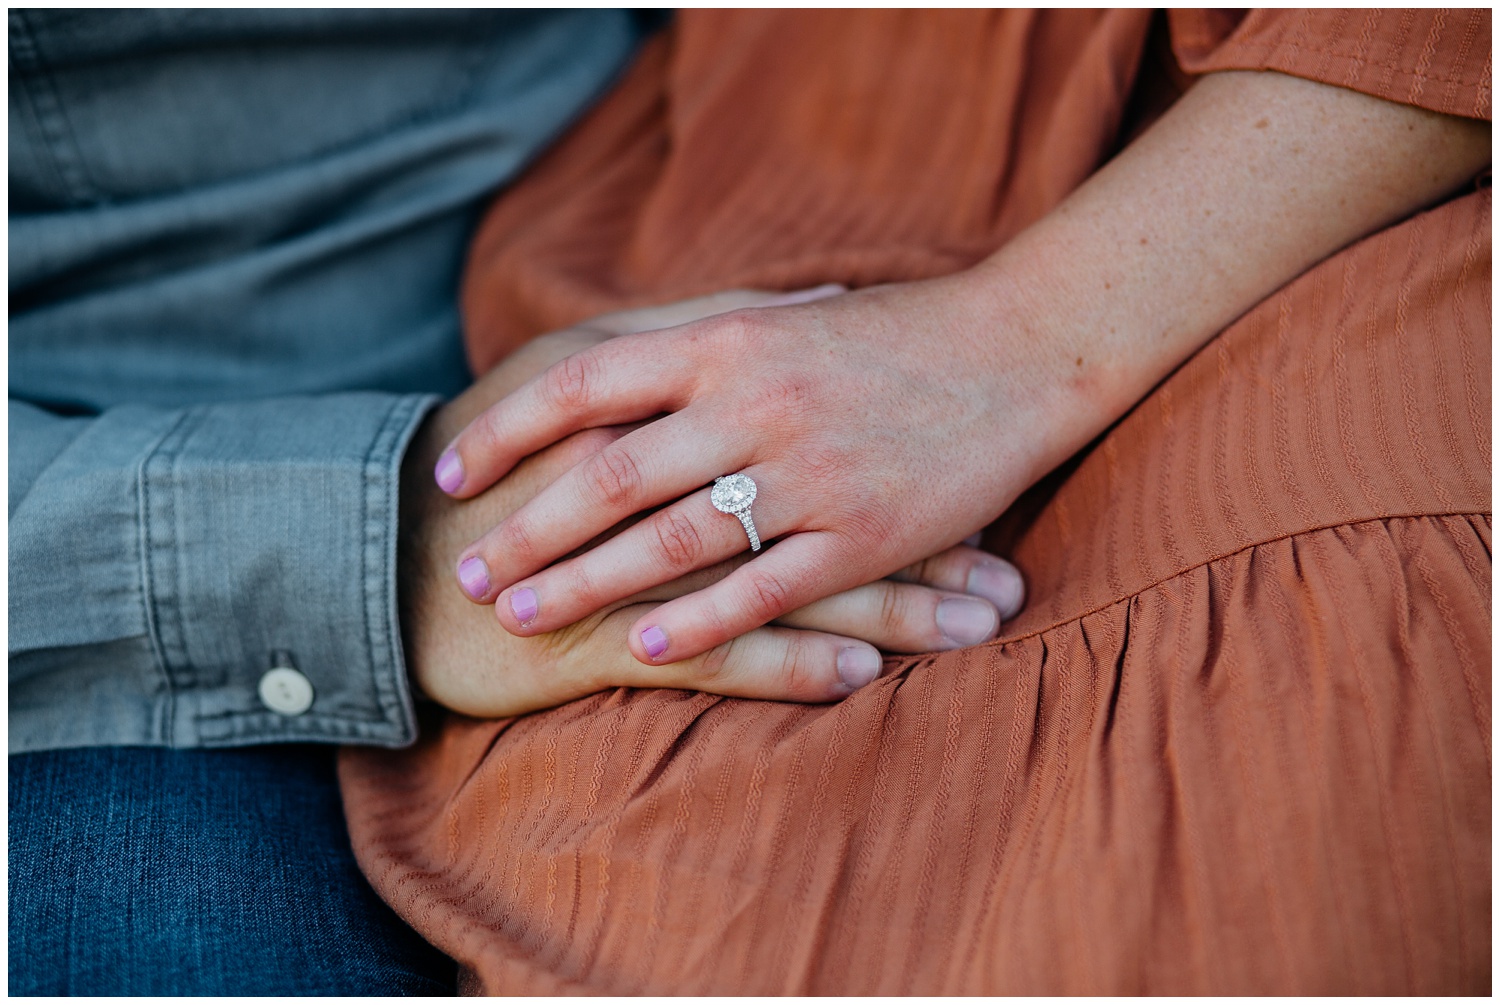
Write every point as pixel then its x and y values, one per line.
pixel 732 493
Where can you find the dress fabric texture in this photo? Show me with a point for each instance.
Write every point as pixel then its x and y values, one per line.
pixel 1239 739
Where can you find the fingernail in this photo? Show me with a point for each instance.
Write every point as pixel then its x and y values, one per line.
pixel 655 641
pixel 1000 584
pixel 523 605
pixel 858 665
pixel 966 621
pixel 449 471
pixel 474 576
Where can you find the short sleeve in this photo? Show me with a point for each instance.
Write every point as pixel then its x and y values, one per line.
pixel 1438 59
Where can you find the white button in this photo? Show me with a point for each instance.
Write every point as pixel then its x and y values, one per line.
pixel 286 691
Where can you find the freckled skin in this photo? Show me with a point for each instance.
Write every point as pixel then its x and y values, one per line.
pixel 948 397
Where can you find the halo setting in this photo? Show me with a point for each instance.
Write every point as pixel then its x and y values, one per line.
pixel 733 494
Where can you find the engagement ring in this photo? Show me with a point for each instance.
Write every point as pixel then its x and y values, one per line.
pixel 733 494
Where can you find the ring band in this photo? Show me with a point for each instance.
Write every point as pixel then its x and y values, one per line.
pixel 733 494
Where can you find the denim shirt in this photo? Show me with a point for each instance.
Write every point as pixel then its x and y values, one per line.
pixel 235 242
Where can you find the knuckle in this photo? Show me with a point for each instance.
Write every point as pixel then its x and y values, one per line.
pixel 678 543
pixel 932 571
pixel 569 382
pixel 517 540
pixel 765 597
pixel 488 427
pixel 589 649
pixel 917 572
pixel 781 396
pixel 933 566
pixel 801 673
pixel 614 476
pixel 714 664
pixel 892 618
pixel 735 330
pixel 720 337
pixel 580 590
pixel 711 620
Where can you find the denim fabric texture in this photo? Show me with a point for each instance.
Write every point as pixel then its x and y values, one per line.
pixel 143 871
pixel 235 241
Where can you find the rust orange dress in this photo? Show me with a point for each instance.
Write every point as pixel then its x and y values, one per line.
pixel 1239 739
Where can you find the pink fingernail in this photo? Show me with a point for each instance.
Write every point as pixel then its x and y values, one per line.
pixel 474 576
pixel 655 641
pixel 449 471
pixel 858 665
pixel 523 605
pixel 966 620
pixel 1000 584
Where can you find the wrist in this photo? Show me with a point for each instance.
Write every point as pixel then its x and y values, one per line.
pixel 1059 376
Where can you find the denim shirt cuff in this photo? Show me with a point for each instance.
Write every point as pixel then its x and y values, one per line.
pixel 270 538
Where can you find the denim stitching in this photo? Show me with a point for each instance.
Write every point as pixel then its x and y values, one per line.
pixel 159 450
pixel 51 115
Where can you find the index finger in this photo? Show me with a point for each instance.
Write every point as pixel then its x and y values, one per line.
pixel 623 380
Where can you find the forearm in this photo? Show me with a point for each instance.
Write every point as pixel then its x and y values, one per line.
pixel 1250 179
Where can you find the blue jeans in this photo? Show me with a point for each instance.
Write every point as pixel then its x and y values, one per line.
pixel 147 871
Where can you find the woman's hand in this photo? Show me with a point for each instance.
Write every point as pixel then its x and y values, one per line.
pixel 871 450
pixel 460 657
pixel 886 424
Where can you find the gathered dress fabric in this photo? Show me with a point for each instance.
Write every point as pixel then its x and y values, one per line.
pixel 1239 739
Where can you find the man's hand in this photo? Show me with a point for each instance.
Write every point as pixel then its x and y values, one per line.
pixel 461 657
